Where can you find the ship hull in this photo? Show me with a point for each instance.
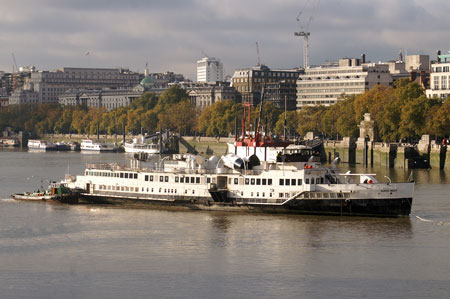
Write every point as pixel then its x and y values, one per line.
pixel 380 207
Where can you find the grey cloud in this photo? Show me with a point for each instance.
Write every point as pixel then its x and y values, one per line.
pixel 171 34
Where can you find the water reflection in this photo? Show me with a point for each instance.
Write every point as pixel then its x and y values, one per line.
pixel 420 176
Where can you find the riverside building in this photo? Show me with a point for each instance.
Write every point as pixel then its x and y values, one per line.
pixel 324 85
pixel 440 77
pixel 205 95
pixel 46 86
pixel 249 83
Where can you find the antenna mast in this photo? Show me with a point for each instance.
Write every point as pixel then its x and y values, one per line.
pixel 257 53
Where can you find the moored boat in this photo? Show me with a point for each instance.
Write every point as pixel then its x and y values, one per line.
pixel 96 146
pixel 43 145
pixel 140 145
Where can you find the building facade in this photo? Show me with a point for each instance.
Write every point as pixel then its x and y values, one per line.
pixel 326 85
pixel 109 99
pixel 440 78
pixel 20 96
pixel 209 69
pixel 48 85
pixel 281 94
pixel 205 95
pixel 249 82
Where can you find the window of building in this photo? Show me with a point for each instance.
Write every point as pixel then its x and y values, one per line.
pixel 281 182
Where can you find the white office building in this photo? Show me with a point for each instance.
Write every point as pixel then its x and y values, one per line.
pixel 209 69
pixel 325 85
pixel 440 78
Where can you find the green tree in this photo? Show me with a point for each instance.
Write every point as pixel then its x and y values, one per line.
pixel 292 122
pixel 413 117
pixel 147 101
pixel 172 95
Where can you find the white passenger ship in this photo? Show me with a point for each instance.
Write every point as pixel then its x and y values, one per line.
pixel 90 145
pixel 229 185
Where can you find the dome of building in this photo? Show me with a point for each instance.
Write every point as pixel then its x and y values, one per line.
pixel 148 80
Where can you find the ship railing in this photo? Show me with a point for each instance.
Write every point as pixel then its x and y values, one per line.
pixel 296 195
pixel 104 166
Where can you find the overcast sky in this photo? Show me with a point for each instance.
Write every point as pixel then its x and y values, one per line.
pixel 171 34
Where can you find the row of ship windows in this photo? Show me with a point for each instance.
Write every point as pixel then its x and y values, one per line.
pixel 136 189
pixel 123 175
pixel 174 191
pixel 196 180
pixel 187 180
pixel 255 181
pixel 294 182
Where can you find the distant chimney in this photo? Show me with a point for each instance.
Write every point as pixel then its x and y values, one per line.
pixel 438 53
pixel 422 78
pixel 363 58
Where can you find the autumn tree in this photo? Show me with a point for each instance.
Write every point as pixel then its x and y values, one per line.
pixel 219 118
pixel 180 117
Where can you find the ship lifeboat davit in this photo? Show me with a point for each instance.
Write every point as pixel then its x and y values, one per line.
pixel 232 161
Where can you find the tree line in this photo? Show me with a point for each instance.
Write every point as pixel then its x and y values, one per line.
pixel 401 111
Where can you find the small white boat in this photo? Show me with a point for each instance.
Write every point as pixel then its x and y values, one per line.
pixel 138 145
pixel 34 144
pixel 90 145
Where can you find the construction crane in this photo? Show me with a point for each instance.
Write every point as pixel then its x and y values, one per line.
pixel 204 53
pixel 304 32
pixel 257 53
pixel 14 72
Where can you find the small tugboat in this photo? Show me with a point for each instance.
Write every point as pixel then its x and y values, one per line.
pixel 57 192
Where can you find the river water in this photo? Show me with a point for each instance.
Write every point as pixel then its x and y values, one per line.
pixel 88 251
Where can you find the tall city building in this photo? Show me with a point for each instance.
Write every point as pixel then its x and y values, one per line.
pixel 209 69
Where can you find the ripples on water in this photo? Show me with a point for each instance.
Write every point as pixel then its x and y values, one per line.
pixel 88 251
